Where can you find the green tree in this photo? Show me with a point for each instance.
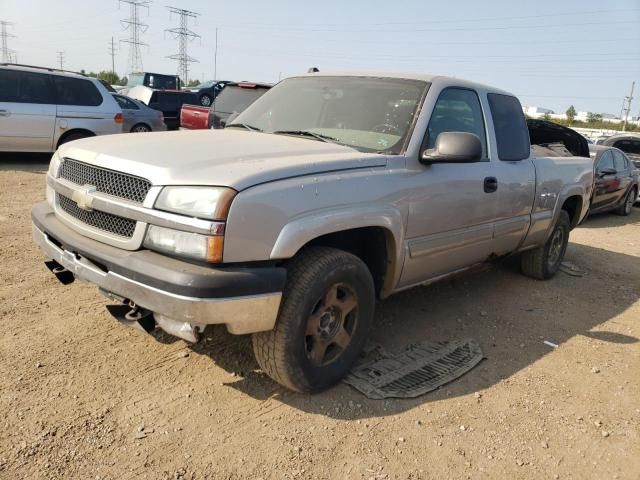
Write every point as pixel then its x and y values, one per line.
pixel 571 114
pixel 594 117
pixel 193 83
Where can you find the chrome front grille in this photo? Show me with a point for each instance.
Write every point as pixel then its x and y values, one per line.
pixel 106 181
pixel 120 226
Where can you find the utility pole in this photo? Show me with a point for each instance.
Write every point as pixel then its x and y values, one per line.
pixel 628 109
pixel 7 53
pixel 215 59
pixel 184 36
pixel 61 59
pixel 136 28
pixel 112 52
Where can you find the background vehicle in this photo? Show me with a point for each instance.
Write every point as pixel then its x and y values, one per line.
pixel 158 81
pixel 138 117
pixel 233 100
pixel 329 191
pixel 208 91
pixel 616 182
pixel 629 143
pixel 42 108
pixel 169 102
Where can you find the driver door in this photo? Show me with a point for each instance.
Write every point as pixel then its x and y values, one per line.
pixel 452 206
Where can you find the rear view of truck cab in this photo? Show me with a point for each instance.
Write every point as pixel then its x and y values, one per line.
pixel 329 191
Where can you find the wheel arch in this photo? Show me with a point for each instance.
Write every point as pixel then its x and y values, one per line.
pixel 74 131
pixel 140 123
pixel 372 235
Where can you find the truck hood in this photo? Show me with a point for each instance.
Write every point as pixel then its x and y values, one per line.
pixel 232 158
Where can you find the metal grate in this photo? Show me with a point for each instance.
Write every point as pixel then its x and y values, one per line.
pixel 419 369
pixel 106 181
pixel 123 227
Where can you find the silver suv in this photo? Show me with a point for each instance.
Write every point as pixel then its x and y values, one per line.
pixel 41 108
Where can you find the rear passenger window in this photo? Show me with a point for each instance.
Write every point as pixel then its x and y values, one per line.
pixel 619 161
pixel 606 161
pixel 457 110
pixel 512 134
pixel 77 92
pixel 25 87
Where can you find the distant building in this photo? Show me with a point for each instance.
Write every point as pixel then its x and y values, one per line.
pixel 536 112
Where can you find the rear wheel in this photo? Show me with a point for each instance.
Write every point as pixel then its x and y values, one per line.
pixel 324 319
pixel 629 200
pixel 544 262
pixel 72 137
pixel 205 100
pixel 140 128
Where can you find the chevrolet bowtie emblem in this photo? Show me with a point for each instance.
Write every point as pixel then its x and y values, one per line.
pixel 83 197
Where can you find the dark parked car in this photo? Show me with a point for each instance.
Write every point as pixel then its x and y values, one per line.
pixel 629 143
pixel 169 102
pixel 154 80
pixel 616 181
pixel 208 91
pixel 233 100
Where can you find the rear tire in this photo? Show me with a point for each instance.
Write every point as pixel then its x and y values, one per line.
pixel 205 100
pixel 626 208
pixel 72 137
pixel 140 128
pixel 327 308
pixel 544 262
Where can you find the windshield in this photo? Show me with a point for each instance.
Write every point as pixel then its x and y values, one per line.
pixel 366 113
pixel 235 99
pixel 135 79
pixel 207 84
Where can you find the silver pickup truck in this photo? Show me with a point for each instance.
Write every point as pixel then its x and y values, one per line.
pixel 329 191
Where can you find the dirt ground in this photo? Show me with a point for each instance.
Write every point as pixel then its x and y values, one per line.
pixel 86 398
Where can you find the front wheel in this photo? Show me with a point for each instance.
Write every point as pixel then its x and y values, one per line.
pixel 327 308
pixel 205 100
pixel 544 262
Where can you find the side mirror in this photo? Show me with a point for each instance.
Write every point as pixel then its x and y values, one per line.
pixel 454 147
pixel 607 171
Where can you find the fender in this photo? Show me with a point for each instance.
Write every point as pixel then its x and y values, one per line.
pixel 303 229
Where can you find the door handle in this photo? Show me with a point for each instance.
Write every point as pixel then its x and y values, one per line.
pixel 490 184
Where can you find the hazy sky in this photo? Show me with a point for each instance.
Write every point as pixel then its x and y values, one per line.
pixel 550 53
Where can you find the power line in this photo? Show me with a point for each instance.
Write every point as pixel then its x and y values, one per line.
pixel 7 53
pixel 60 59
pixel 136 28
pixel 184 36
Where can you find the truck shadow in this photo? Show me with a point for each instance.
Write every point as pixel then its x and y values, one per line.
pixel 26 162
pixel 510 315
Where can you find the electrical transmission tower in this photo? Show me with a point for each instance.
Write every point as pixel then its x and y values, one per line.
pixel 184 36
pixel 7 53
pixel 627 110
pixel 112 52
pixel 136 28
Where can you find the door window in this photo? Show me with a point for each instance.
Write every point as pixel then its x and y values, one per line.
pixel 25 87
pixel 606 161
pixel 457 110
pixel 77 92
pixel 619 161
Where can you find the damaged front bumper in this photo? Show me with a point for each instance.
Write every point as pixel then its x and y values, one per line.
pixel 183 297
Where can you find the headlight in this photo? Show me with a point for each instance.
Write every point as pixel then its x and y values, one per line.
pixel 54 165
pixel 185 244
pixel 212 203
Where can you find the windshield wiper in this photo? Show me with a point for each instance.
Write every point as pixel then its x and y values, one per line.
pixel 251 128
pixel 308 133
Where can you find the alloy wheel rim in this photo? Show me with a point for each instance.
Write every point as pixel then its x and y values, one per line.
pixel 331 325
pixel 206 101
pixel 555 248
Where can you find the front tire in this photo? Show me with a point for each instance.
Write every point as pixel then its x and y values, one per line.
pixel 326 311
pixel 544 262
pixel 205 100
pixel 626 208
